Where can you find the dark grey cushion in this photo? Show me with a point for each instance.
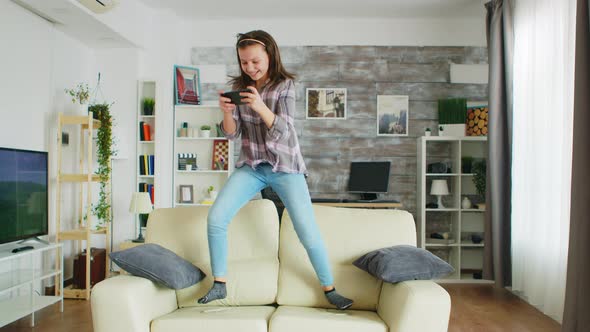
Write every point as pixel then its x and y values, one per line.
pixel 403 262
pixel 158 264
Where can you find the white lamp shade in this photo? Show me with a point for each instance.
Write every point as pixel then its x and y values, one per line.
pixel 140 203
pixel 439 187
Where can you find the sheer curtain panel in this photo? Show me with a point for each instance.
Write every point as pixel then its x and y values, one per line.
pixel 542 150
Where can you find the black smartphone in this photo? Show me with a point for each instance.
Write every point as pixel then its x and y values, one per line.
pixel 235 97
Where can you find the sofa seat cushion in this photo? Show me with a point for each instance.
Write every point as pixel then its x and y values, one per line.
pixel 297 319
pixel 215 319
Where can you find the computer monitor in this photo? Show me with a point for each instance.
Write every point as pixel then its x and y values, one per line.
pixel 369 178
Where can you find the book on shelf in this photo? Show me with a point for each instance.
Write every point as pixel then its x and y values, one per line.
pixel 145 134
pixel 147 188
pixel 146 164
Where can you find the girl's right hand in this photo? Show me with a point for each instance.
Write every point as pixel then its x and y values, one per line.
pixel 225 104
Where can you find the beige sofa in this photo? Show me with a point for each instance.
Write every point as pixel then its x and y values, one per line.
pixel 271 283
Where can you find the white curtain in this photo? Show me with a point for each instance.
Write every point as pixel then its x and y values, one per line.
pixel 542 150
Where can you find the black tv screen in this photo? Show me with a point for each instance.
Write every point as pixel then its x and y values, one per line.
pixel 369 176
pixel 23 194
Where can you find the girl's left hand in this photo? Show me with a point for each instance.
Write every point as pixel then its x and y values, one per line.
pixel 253 99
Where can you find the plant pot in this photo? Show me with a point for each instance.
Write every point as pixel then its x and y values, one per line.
pixel 82 109
pixel 205 133
pixel 481 206
pixel 213 194
pixel 148 110
pixel 456 130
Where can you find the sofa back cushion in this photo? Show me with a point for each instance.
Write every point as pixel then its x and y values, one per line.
pixel 253 237
pixel 348 234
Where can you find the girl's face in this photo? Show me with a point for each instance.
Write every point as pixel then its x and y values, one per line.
pixel 254 62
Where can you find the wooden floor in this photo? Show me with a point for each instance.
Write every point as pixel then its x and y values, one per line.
pixel 474 308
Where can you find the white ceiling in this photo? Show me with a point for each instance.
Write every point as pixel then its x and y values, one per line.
pixel 244 9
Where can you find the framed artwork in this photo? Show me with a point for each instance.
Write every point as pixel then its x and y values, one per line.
pixel 476 118
pixel 186 193
pixel 220 155
pixel 325 103
pixel 392 115
pixel 187 86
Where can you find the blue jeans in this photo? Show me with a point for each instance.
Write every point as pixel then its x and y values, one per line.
pixel 242 185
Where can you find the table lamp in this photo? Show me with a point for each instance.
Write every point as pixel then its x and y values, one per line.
pixel 140 203
pixel 439 188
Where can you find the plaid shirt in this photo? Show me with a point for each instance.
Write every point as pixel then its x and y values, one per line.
pixel 278 145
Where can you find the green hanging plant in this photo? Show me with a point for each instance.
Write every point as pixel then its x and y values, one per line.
pixel 105 151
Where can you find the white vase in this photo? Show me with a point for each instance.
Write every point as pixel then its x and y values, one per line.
pixel 205 133
pixel 466 203
pixel 213 194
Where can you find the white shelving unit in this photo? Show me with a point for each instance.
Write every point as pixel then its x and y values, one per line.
pixel 145 89
pixel 22 276
pixel 204 176
pixel 461 225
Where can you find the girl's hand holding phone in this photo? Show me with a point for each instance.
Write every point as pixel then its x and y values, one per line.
pixel 225 103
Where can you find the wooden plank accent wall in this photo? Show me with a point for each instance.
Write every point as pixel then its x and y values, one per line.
pixel 328 146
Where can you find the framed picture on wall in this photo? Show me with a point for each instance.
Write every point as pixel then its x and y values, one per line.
pixel 325 103
pixel 186 193
pixel 392 115
pixel 187 86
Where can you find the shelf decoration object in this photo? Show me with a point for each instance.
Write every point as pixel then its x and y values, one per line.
pixel 187 89
pixel 141 203
pixel 439 188
pixel 220 155
pixel 477 121
pixel 452 117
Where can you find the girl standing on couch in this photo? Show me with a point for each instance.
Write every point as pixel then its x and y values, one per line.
pixel 270 156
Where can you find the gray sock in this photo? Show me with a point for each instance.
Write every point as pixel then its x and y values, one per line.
pixel 338 300
pixel 216 292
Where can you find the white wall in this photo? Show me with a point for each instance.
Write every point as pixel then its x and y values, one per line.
pixel 314 31
pixel 37 62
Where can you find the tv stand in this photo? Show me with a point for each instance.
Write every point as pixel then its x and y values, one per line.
pixel 33 239
pixel 368 197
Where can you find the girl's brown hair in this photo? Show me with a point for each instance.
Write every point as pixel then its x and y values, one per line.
pixel 276 71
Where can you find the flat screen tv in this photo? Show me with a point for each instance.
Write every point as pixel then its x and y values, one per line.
pixel 23 194
pixel 369 178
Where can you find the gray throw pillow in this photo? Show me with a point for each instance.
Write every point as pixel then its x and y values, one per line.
pixel 403 262
pixel 158 264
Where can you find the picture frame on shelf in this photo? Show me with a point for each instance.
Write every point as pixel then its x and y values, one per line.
pixel 187 85
pixel 219 160
pixel 392 115
pixel 186 193
pixel 325 103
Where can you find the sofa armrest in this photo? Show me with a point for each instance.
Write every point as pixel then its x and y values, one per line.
pixel 129 303
pixel 417 305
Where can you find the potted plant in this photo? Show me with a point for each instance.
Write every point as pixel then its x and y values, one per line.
pixel 148 106
pixel 80 96
pixel 479 180
pixel 212 193
pixel 452 115
pixel 427 132
pixel 205 131
pixel 104 152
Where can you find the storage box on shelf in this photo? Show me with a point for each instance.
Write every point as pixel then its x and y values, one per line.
pixel 193 147
pixel 455 233
pixel 84 177
pixel 22 279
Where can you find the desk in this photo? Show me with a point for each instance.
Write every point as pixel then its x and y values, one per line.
pixel 367 205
